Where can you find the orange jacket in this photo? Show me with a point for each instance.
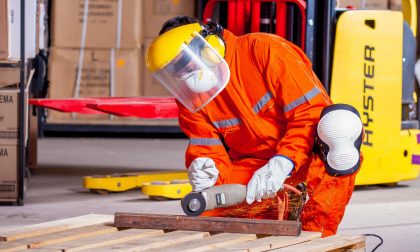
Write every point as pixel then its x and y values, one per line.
pixel 270 106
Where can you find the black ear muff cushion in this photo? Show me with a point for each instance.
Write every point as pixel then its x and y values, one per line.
pixel 217 43
pixel 213 33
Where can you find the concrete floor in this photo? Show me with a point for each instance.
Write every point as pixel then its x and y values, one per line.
pixel 56 192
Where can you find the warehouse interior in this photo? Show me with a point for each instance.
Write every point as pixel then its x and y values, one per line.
pixel 92 132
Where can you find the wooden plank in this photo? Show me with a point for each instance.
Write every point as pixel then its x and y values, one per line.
pixel 358 247
pixel 13 246
pixel 58 237
pixel 155 242
pixel 103 240
pixel 71 235
pixel 218 242
pixel 324 244
pixel 272 242
pixel 54 226
pixel 211 224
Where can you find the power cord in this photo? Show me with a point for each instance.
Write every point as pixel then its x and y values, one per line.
pixel 377 236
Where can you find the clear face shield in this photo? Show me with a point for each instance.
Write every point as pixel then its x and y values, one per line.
pixel 196 75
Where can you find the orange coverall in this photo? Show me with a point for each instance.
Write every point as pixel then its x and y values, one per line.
pixel 270 106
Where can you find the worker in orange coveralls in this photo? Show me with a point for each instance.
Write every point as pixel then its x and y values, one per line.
pixel 251 106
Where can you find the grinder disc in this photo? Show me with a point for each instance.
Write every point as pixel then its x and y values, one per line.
pixel 193 204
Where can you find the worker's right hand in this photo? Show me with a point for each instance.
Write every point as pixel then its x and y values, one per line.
pixel 269 179
pixel 202 173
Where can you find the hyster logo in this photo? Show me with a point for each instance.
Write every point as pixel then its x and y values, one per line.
pixel 368 87
pixel 3 153
pixel 6 99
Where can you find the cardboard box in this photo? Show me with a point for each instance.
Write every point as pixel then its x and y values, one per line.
pixel 3 30
pixel 106 26
pixel 13 29
pixel 364 4
pixel 9 76
pixel 156 12
pixel 95 79
pixel 9 116
pixel 395 5
pixel 151 86
pixel 8 172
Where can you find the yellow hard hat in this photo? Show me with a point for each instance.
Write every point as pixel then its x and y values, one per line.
pixel 167 46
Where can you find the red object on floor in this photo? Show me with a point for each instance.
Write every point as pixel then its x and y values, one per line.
pixel 142 107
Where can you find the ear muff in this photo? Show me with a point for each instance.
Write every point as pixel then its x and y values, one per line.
pixel 213 34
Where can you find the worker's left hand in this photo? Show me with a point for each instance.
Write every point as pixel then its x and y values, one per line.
pixel 267 180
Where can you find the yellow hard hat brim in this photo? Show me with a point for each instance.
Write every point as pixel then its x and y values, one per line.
pixel 167 46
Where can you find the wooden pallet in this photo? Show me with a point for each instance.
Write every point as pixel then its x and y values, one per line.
pixel 97 233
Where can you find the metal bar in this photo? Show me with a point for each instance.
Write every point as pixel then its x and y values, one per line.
pixel 109 130
pixel 310 33
pixel 210 224
pixel 327 46
pixel 22 128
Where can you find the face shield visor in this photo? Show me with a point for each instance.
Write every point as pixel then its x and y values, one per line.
pixel 196 75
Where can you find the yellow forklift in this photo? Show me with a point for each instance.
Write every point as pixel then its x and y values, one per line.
pixel 373 69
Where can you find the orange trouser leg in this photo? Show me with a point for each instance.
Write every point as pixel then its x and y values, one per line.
pixel 328 198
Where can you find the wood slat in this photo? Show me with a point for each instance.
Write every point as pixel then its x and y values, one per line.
pixel 54 226
pixel 211 224
pixel 102 240
pixel 13 246
pixel 218 241
pixel 272 242
pixel 58 237
pixel 324 244
pixel 155 242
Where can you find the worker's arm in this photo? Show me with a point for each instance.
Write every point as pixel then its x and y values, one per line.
pixel 302 97
pixel 204 141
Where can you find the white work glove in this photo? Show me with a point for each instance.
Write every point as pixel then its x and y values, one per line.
pixel 202 173
pixel 269 179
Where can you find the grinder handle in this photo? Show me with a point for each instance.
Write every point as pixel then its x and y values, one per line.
pixel 224 195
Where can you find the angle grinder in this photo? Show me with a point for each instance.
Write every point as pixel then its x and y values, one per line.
pixel 195 203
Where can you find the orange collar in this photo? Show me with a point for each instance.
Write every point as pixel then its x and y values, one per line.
pixel 230 40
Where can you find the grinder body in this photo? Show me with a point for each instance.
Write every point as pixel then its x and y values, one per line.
pixel 221 196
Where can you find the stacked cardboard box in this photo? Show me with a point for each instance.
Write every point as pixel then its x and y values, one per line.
pixel 9 141
pixel 10 110
pixel 98 49
pixel 9 76
pixel 103 73
pixel 155 13
pixel 95 52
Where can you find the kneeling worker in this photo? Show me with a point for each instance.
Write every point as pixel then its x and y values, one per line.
pixel 251 106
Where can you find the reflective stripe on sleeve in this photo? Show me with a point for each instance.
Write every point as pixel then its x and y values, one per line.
pixel 205 141
pixel 299 101
pixel 226 123
pixel 262 102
